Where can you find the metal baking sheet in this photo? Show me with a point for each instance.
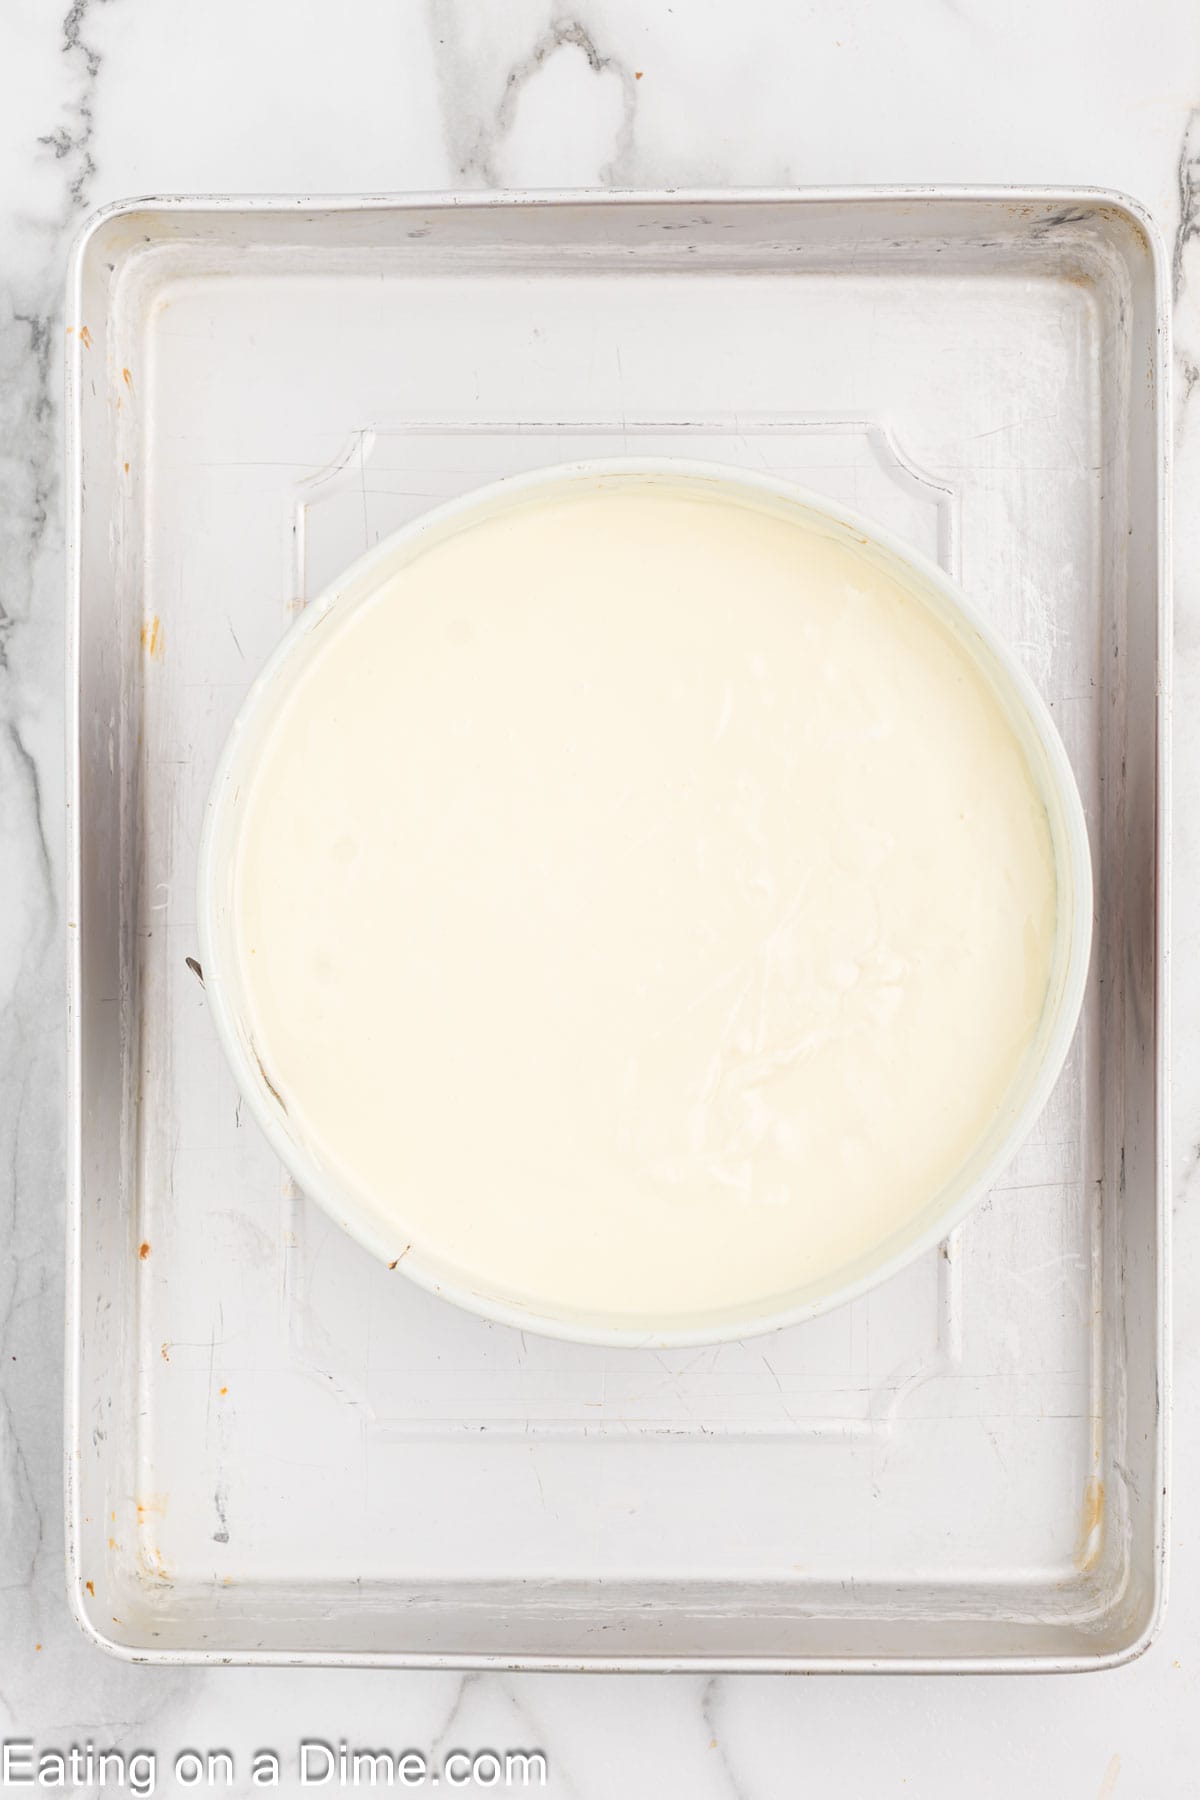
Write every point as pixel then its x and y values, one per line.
pixel 277 1451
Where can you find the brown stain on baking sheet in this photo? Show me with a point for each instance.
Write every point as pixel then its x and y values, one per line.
pixel 91 1588
pixel 127 378
pixel 85 337
pixel 194 966
pixel 1090 1536
pixel 153 1564
pixel 397 1260
pixel 143 1250
pixel 153 637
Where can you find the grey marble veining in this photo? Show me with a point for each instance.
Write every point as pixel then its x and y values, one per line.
pixel 118 96
pixel 483 97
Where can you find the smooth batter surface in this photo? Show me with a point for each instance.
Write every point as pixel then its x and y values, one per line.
pixel 646 901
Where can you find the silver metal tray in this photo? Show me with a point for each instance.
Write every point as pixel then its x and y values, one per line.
pixel 277 1452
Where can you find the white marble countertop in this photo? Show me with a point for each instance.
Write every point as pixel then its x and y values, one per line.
pixel 125 96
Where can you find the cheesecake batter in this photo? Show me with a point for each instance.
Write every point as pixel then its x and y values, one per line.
pixel 646 901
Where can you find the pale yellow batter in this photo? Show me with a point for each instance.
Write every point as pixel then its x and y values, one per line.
pixel 646 901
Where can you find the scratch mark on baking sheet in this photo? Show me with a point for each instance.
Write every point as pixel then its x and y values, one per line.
pixel 621 391
pixel 271 1088
pixel 772 1372
pixel 1128 1477
pixel 362 482
pixel 212 1357
pixel 537 1476
pixel 674 1382
pixel 1048 1277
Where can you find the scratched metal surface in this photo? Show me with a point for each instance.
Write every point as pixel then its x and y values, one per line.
pixel 279 1451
